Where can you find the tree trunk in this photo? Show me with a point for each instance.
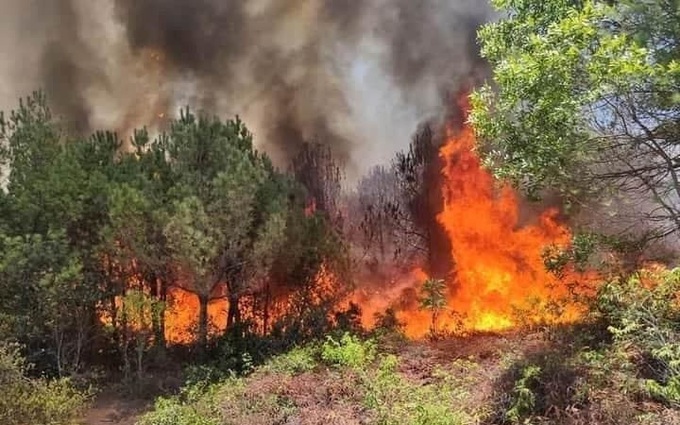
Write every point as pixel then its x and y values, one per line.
pixel 140 362
pixel 234 313
pixel 440 259
pixel 81 339
pixel 203 321
pixel 164 298
pixel 381 242
pixel 59 345
pixel 267 301
pixel 158 320
pixel 433 325
pixel 115 321
pixel 125 347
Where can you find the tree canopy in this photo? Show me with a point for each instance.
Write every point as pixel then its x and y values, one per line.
pixel 585 96
pixel 94 236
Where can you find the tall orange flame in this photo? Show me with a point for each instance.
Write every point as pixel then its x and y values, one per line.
pixel 499 264
pixel 499 273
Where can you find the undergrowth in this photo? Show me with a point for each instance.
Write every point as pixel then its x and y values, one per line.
pixel 609 370
pixel 311 384
pixel 620 366
pixel 37 401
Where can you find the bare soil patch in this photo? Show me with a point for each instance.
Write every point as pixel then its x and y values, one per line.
pixel 113 409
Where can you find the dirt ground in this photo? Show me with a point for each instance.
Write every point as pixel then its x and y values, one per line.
pixel 112 409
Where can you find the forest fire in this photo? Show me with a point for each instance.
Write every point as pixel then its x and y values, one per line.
pixel 499 264
pixel 181 318
pixel 496 280
pixel 499 279
pixel 499 276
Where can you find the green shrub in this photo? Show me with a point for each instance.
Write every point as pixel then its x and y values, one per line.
pixel 523 397
pixel 349 351
pixel 173 411
pixel 395 401
pixel 643 313
pixel 430 411
pixel 296 361
pixel 195 405
pixel 35 401
pixel 383 388
pixel 202 375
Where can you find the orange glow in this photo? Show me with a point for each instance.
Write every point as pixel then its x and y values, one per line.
pixel 499 266
pixel 375 298
pixel 499 263
pixel 181 316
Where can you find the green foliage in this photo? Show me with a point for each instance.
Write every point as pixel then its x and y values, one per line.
pixel 582 247
pixel 195 240
pixel 226 402
pixel 173 411
pixel 44 296
pixel 139 312
pixel 218 221
pixel 84 225
pixel 290 388
pixel 523 397
pixel 348 351
pixel 433 299
pixel 196 404
pixel 296 361
pixel 133 235
pixel 643 312
pixel 394 400
pixel 35 401
pixel 433 296
pixel 51 213
pixel 579 85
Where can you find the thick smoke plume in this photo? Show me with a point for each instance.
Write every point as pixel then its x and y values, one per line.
pixel 358 75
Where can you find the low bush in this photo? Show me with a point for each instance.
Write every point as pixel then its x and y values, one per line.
pixel 393 400
pixel 296 361
pixel 643 313
pixel 174 411
pixel 348 351
pixel 35 400
pixel 196 404
pixel 292 388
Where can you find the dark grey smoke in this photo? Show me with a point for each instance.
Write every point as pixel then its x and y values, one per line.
pixel 198 36
pixel 65 71
pixel 357 75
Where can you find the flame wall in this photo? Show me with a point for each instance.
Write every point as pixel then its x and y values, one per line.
pixel 499 264
pixel 499 271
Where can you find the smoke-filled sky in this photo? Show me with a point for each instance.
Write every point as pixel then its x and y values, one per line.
pixel 358 75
